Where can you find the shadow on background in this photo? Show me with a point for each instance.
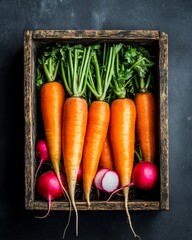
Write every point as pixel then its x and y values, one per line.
pixel 15 152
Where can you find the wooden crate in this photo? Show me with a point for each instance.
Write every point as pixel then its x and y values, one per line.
pixel 158 43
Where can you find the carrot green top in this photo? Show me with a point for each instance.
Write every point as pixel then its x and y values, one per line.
pixel 48 65
pixel 143 84
pixel 101 69
pixel 75 62
pixel 130 63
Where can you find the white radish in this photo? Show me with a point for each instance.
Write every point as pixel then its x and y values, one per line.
pixel 110 181
pixel 98 178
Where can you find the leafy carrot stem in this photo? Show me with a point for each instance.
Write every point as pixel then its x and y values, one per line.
pixel 101 73
pixel 66 83
pixel 75 68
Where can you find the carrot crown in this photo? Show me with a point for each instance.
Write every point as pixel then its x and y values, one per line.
pixel 75 62
pixel 143 84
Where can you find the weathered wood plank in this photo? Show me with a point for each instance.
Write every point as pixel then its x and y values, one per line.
pixel 163 114
pixel 28 115
pixel 99 205
pixel 96 34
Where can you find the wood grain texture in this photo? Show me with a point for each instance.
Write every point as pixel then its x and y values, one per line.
pixel 99 205
pixel 29 114
pixel 96 34
pixel 37 38
pixel 163 115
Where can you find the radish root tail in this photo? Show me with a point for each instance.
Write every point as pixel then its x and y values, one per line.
pixel 117 190
pixel 40 163
pixel 49 208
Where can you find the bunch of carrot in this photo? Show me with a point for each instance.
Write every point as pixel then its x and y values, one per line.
pixel 105 78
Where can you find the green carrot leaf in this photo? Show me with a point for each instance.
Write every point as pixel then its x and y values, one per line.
pixel 138 59
pixel 40 76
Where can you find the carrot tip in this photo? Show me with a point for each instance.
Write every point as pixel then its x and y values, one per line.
pixel 88 204
pixel 129 220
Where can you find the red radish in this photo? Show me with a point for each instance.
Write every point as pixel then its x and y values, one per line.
pixel 42 152
pixel 48 187
pixel 98 178
pixel 110 181
pixel 144 176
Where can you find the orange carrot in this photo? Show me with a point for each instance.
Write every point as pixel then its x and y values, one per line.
pixel 52 100
pixel 99 114
pixel 74 129
pixel 130 63
pixel 106 159
pixel 122 135
pixel 146 124
pixel 74 69
pixel 98 122
pixel 52 96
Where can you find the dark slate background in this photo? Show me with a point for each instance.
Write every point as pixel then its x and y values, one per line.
pixel 173 17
